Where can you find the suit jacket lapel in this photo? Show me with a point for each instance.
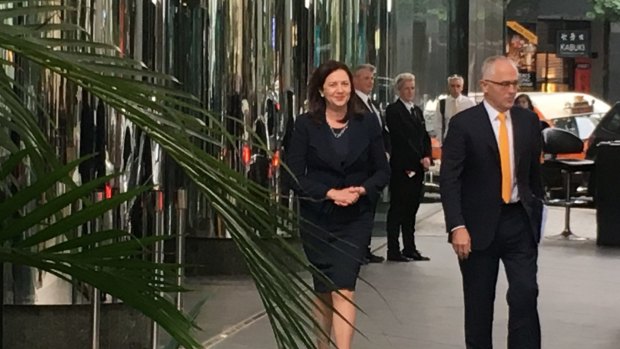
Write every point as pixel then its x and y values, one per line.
pixel 356 144
pixel 406 115
pixel 322 141
pixel 363 103
pixel 356 137
pixel 518 135
pixel 486 129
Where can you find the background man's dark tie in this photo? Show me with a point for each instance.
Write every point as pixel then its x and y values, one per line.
pixel 374 110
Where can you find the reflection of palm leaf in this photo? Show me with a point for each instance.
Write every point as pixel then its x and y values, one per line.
pixel 175 120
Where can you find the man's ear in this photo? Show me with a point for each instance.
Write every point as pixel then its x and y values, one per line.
pixel 483 86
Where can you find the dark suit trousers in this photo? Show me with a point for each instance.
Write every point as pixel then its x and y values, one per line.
pixel 405 196
pixel 515 246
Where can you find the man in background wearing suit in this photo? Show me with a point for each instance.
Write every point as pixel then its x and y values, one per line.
pixel 491 193
pixel 364 81
pixel 410 157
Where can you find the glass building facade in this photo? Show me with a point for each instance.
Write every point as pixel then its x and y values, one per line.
pixel 242 57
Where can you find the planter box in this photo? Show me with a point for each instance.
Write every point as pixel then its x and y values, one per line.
pixel 68 326
pixel 214 256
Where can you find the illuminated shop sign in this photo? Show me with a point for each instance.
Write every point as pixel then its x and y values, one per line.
pixel 573 43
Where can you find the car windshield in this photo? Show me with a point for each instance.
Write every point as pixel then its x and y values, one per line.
pixel 579 125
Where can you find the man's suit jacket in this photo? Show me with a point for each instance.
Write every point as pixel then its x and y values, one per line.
pixel 317 169
pixel 384 130
pixel 410 141
pixel 470 179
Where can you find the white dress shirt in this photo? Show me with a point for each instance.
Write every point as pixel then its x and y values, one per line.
pixel 493 118
pixel 408 105
pixel 453 107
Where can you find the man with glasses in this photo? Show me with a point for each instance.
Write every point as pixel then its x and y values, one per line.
pixel 491 193
pixel 455 103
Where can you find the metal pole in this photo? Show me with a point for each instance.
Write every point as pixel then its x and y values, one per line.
pixel 76 295
pixel 567 204
pixel 109 222
pixel 1 305
pixel 180 253
pixel 96 294
pixel 158 253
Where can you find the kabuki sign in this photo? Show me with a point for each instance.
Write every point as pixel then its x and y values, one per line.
pixel 573 43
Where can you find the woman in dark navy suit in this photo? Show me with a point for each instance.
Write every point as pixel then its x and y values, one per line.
pixel 338 159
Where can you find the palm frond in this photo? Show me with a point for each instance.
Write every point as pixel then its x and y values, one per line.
pixel 109 260
pixel 175 120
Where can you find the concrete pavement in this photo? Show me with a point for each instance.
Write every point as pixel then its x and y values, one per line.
pixel 419 304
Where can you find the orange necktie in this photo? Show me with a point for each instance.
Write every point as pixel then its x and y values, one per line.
pixel 504 157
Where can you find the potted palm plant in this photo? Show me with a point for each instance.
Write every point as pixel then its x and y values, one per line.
pixel 36 223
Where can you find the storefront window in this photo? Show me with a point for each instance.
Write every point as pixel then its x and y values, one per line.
pixel 486 36
pixel 552 72
pixel 419 44
pixel 521 47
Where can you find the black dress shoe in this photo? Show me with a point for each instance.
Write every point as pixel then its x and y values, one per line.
pixel 398 258
pixel 373 258
pixel 416 256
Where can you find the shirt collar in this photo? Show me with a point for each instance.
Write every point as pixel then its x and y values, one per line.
pixel 493 113
pixel 409 105
pixel 457 97
pixel 362 95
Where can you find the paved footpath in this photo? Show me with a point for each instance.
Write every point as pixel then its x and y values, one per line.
pixel 419 304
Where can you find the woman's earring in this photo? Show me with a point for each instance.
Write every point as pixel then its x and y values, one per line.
pixel 321 93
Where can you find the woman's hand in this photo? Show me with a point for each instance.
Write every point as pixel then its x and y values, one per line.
pixel 360 190
pixel 344 197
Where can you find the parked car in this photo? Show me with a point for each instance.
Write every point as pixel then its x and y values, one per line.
pixel 577 113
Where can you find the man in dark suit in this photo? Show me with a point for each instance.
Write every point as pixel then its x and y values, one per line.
pixel 491 193
pixel 364 81
pixel 410 157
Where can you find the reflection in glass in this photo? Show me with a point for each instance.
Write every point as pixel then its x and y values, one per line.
pixel 247 61
pixel 486 36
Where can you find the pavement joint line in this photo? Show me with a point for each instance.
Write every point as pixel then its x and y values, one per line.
pixel 234 329
pixel 424 217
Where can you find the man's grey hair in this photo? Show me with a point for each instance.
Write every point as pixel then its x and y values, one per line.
pixel 400 79
pixel 365 66
pixel 488 66
pixel 455 77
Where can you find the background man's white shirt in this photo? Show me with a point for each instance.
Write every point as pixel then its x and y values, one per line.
pixel 453 107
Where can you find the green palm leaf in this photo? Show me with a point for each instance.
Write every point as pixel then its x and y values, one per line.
pixel 176 120
pixel 101 259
